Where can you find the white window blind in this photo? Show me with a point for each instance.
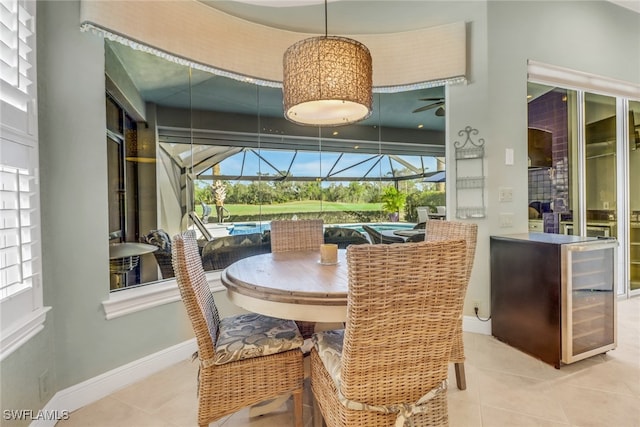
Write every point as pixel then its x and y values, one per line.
pixel 16 32
pixel 16 225
pixel 21 310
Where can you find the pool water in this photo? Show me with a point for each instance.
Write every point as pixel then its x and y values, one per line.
pixel 381 226
pixel 248 228
pixel 252 227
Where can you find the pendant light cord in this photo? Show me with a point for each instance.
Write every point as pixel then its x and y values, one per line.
pixel 325 19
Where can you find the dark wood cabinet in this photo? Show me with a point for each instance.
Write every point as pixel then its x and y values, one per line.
pixel 553 296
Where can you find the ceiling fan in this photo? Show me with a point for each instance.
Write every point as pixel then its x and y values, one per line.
pixel 439 104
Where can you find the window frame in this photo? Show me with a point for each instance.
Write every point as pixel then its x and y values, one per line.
pixel 140 298
pixel 23 313
pixel 624 92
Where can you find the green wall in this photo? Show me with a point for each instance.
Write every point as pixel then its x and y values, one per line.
pixel 590 36
pixel 20 372
pixel 78 343
pixel 74 209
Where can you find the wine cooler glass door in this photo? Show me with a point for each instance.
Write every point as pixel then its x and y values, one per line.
pixel 589 317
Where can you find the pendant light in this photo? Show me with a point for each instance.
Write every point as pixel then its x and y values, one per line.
pixel 327 80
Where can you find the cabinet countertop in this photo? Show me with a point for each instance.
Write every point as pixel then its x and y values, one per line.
pixel 557 239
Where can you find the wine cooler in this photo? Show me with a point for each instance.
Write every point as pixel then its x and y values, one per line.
pixel 553 296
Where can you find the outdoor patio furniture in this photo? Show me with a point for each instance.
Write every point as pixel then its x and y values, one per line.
pixel 123 258
pixel 206 211
pixel 423 213
pixel 344 237
pixel 223 251
pixel 415 238
pixel 389 364
pixel 161 239
pixel 377 237
pixel 244 359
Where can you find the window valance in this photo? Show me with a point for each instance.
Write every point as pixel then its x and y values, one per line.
pixel 192 33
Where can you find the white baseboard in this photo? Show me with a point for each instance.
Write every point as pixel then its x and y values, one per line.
pixel 475 325
pixel 96 388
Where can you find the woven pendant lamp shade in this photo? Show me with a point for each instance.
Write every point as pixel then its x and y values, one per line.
pixel 327 81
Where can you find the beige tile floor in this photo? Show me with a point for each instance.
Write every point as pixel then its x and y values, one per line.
pixel 504 388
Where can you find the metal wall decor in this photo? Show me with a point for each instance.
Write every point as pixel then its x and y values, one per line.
pixel 470 177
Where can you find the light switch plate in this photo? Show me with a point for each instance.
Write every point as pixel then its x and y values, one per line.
pixel 508 156
pixel 506 220
pixel 505 194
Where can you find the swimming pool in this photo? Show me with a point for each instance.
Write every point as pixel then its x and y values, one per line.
pixel 252 227
pixel 248 228
pixel 379 226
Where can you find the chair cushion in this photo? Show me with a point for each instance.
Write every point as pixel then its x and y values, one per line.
pixel 328 344
pixel 252 335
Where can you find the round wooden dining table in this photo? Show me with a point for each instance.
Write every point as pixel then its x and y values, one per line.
pixel 290 285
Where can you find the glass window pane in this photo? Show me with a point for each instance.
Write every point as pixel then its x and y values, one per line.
pixel 552 142
pixel 600 164
pixel 217 133
pixel 634 194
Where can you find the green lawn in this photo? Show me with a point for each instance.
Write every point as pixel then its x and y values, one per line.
pixel 296 207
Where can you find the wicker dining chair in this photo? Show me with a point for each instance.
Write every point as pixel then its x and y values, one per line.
pixel 298 235
pixel 244 359
pixel 390 362
pixel 445 230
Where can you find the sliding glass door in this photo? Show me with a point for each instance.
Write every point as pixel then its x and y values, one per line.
pixel 600 166
pixel 634 195
pixel 584 170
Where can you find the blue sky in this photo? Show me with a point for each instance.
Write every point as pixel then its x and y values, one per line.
pixel 318 164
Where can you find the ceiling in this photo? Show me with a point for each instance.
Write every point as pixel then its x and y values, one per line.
pixel 378 16
pixel 169 84
pixel 374 17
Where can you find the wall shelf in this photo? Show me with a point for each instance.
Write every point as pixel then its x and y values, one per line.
pixel 469 182
pixel 470 179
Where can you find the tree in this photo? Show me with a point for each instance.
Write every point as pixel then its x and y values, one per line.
pixel 219 194
pixel 203 193
pixel 356 191
pixel 431 198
